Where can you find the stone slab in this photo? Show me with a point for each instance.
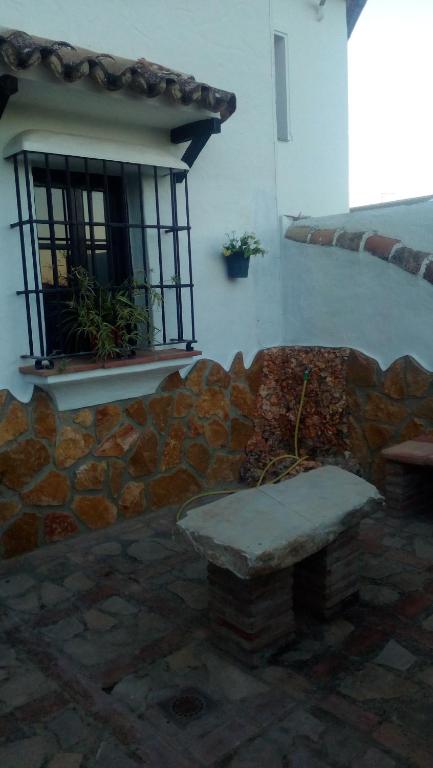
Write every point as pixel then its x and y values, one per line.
pixel 410 452
pixel 265 529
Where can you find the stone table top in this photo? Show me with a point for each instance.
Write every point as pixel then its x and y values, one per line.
pixel 264 529
pixel 417 451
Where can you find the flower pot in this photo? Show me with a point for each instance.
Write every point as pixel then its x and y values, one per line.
pixel 237 264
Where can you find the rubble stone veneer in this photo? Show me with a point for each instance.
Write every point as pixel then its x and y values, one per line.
pixel 62 473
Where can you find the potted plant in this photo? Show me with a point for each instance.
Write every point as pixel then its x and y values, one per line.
pixel 237 252
pixel 106 318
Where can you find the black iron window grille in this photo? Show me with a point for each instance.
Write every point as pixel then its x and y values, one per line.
pixel 123 222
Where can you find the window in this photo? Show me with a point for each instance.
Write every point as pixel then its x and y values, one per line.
pixel 280 77
pixel 122 222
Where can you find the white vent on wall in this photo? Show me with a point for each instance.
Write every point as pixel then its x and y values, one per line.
pixel 281 82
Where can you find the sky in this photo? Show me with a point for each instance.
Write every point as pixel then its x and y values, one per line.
pixel 391 102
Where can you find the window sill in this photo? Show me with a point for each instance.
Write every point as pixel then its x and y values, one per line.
pixel 80 384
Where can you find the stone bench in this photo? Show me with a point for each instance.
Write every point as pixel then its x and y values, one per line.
pixel 409 476
pixel 270 547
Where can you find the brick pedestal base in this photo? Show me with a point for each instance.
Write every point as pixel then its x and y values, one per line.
pixel 408 488
pixel 250 618
pixel 325 581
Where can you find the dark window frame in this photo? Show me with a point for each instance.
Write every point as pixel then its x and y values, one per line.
pixel 33 169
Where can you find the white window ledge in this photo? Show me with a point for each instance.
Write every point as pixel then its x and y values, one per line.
pixel 78 385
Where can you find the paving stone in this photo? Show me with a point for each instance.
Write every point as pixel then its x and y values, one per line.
pixel 424 549
pixel 300 722
pixel 28 603
pixel 25 685
pixel 336 631
pixel 89 653
pixel 259 752
pixel 98 621
pixel 428 623
pixel 7 655
pixel 426 676
pixel 111 756
pixel 375 568
pixel 306 649
pixel 374 758
pixel 194 595
pixel 342 745
pixel 184 659
pixel 78 582
pixel 393 541
pixel 409 581
pixel 69 728
pixel 395 656
pixel 373 682
pixel 51 594
pixel 375 595
pixel 147 551
pixel 118 605
pixel 110 548
pixel 133 691
pixel 230 679
pixel 420 529
pixel 27 753
pixel 66 760
pixel 64 629
pixel 15 585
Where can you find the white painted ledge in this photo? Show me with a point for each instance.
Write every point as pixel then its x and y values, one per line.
pixel 78 389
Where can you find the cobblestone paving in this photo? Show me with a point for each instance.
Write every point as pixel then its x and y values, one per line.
pixel 98 637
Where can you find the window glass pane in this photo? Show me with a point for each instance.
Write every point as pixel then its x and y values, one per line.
pixel 280 75
pixel 46 267
pixel 41 210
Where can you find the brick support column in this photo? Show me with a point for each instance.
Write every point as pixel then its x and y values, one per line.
pixel 325 581
pixel 408 488
pixel 250 618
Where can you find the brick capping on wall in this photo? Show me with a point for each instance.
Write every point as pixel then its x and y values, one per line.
pixel 386 248
pixel 65 472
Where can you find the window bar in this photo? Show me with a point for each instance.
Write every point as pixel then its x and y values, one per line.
pixel 73 223
pixel 23 257
pixel 107 211
pixel 161 274
pixel 50 222
pixel 52 241
pixel 125 229
pixel 34 254
pixel 68 244
pixel 144 255
pixel 188 231
pixel 91 221
pixel 176 255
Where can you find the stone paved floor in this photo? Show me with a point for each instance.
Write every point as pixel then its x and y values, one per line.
pixel 99 635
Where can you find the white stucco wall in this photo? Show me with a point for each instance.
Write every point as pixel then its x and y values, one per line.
pixel 336 297
pixel 312 167
pixel 241 181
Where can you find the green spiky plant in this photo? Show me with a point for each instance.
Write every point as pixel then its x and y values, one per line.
pixel 107 319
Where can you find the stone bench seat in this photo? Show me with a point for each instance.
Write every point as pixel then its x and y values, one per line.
pixel 271 545
pixel 409 476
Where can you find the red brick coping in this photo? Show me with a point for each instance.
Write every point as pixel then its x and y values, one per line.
pixel 70 365
pixel 385 248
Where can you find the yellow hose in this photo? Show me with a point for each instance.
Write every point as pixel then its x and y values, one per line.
pixel 297 460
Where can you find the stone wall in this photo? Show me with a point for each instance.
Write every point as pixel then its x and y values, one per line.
pixel 62 473
pixel 66 472
pixel 385 408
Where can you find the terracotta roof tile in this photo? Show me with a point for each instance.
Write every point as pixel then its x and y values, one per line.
pixel 20 51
